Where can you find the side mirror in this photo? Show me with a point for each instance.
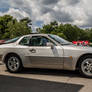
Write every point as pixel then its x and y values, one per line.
pixel 50 44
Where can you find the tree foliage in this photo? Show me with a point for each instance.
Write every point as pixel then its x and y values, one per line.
pixel 10 27
pixel 67 31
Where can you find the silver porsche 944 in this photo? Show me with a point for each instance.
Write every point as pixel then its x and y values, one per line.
pixel 45 51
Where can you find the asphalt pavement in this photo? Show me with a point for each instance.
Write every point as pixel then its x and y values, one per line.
pixel 43 80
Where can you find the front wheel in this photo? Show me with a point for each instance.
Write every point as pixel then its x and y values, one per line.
pixel 86 66
pixel 13 64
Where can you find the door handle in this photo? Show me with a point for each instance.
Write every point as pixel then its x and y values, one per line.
pixel 33 50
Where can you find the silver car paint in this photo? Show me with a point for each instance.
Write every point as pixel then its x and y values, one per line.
pixel 69 54
pixel 76 52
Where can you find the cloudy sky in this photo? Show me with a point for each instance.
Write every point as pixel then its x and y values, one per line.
pixel 77 12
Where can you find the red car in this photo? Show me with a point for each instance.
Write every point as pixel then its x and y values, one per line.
pixel 2 41
pixel 82 43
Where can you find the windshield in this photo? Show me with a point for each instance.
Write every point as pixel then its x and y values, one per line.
pixel 59 40
pixel 12 40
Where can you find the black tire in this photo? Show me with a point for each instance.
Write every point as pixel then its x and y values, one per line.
pixel 20 66
pixel 82 60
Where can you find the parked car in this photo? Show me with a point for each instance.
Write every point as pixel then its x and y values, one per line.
pixel 2 42
pixel 9 41
pixel 81 43
pixel 46 51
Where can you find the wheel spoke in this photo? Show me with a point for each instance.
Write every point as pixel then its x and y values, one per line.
pixel 13 63
pixel 87 67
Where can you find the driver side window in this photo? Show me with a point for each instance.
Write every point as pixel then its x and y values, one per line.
pixel 39 41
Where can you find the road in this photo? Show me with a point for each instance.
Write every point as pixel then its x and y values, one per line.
pixel 43 80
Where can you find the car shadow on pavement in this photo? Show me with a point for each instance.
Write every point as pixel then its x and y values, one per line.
pixel 53 72
pixel 17 84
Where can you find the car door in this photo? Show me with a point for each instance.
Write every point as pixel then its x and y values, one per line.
pixel 39 55
pixel 43 56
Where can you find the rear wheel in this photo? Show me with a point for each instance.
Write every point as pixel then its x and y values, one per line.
pixel 85 66
pixel 13 64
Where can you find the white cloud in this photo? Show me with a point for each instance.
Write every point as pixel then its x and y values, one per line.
pixel 16 13
pixel 19 14
pixel 78 12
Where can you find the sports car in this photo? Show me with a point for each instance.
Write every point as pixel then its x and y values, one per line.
pixel 45 51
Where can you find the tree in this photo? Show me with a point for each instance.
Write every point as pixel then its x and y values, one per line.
pixel 10 27
pixel 17 29
pixel 84 35
pixel 66 31
pixel 90 34
pixel 70 32
pixel 3 24
pixel 27 21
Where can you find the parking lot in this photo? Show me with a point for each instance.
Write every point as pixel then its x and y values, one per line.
pixel 43 80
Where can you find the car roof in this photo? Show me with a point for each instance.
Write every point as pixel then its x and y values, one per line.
pixel 36 34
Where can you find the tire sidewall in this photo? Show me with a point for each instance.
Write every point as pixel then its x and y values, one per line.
pixel 80 67
pixel 20 64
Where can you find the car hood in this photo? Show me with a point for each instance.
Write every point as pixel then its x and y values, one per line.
pixel 76 51
pixel 81 48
